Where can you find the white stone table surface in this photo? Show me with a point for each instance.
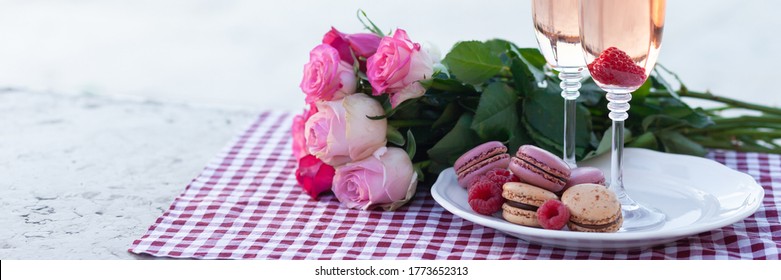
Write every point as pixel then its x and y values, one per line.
pixel 82 176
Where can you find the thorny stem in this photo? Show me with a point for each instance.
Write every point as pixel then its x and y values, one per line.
pixel 747 119
pixel 722 99
pixel 714 144
pixel 409 123
pixel 749 132
pixel 371 26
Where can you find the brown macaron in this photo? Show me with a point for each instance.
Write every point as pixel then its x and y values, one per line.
pixel 522 203
pixel 592 208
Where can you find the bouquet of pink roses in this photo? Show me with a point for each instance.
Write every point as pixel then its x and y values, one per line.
pixel 362 90
pixel 336 143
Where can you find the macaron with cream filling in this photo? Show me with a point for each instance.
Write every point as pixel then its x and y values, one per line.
pixel 479 160
pixel 522 203
pixel 539 167
pixel 592 208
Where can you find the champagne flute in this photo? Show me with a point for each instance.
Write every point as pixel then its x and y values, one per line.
pixel 621 41
pixel 558 35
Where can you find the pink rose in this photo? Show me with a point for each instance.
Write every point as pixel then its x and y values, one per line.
pixel 361 44
pixel 297 131
pixel 314 175
pixel 385 179
pixel 326 77
pixel 397 66
pixel 340 131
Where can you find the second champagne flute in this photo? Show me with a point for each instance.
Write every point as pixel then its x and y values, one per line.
pixel 621 41
pixel 558 35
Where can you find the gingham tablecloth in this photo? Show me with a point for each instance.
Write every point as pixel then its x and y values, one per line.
pixel 246 205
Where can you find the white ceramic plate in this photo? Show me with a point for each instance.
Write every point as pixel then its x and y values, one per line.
pixel 697 194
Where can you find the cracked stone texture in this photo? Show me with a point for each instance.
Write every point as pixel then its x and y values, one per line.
pixel 82 176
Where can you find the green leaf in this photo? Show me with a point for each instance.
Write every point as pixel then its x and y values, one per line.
pixel 661 80
pixel 498 47
pixel 662 74
pixel 646 140
pixel 472 62
pixel 450 114
pixel 590 93
pixel 544 111
pixel 435 167
pixel 533 57
pixel 659 122
pixel 411 146
pixel 519 137
pixel 418 167
pixel 698 120
pixel 673 117
pixel 638 96
pixel 389 112
pixel 675 142
pixel 541 140
pixel 534 60
pixel 450 85
pixel 523 79
pixel 607 140
pixel 605 143
pixel 455 143
pixel 496 116
pixel 425 138
pixel 394 136
pixel 440 75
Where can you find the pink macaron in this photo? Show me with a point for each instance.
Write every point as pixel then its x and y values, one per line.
pixel 479 160
pixel 585 175
pixel 540 168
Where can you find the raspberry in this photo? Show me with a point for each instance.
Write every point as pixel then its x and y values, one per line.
pixel 501 176
pixel 485 196
pixel 615 67
pixel 553 215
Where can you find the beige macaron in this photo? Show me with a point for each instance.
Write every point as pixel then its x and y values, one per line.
pixel 522 203
pixel 592 208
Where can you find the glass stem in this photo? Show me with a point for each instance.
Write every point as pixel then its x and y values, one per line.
pixel 570 84
pixel 619 105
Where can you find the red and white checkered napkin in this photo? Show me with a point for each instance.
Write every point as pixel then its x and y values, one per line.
pixel 246 204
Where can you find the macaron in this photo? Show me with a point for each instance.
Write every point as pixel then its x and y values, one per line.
pixel 479 160
pixel 540 168
pixel 585 175
pixel 522 203
pixel 592 208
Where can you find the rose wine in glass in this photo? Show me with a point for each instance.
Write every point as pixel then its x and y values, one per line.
pixel 621 41
pixel 557 28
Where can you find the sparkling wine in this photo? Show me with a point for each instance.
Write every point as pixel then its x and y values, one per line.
pixel 558 35
pixel 621 40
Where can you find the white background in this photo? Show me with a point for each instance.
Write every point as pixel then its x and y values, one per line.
pixel 250 54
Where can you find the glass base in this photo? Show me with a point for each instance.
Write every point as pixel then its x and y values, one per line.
pixel 638 217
